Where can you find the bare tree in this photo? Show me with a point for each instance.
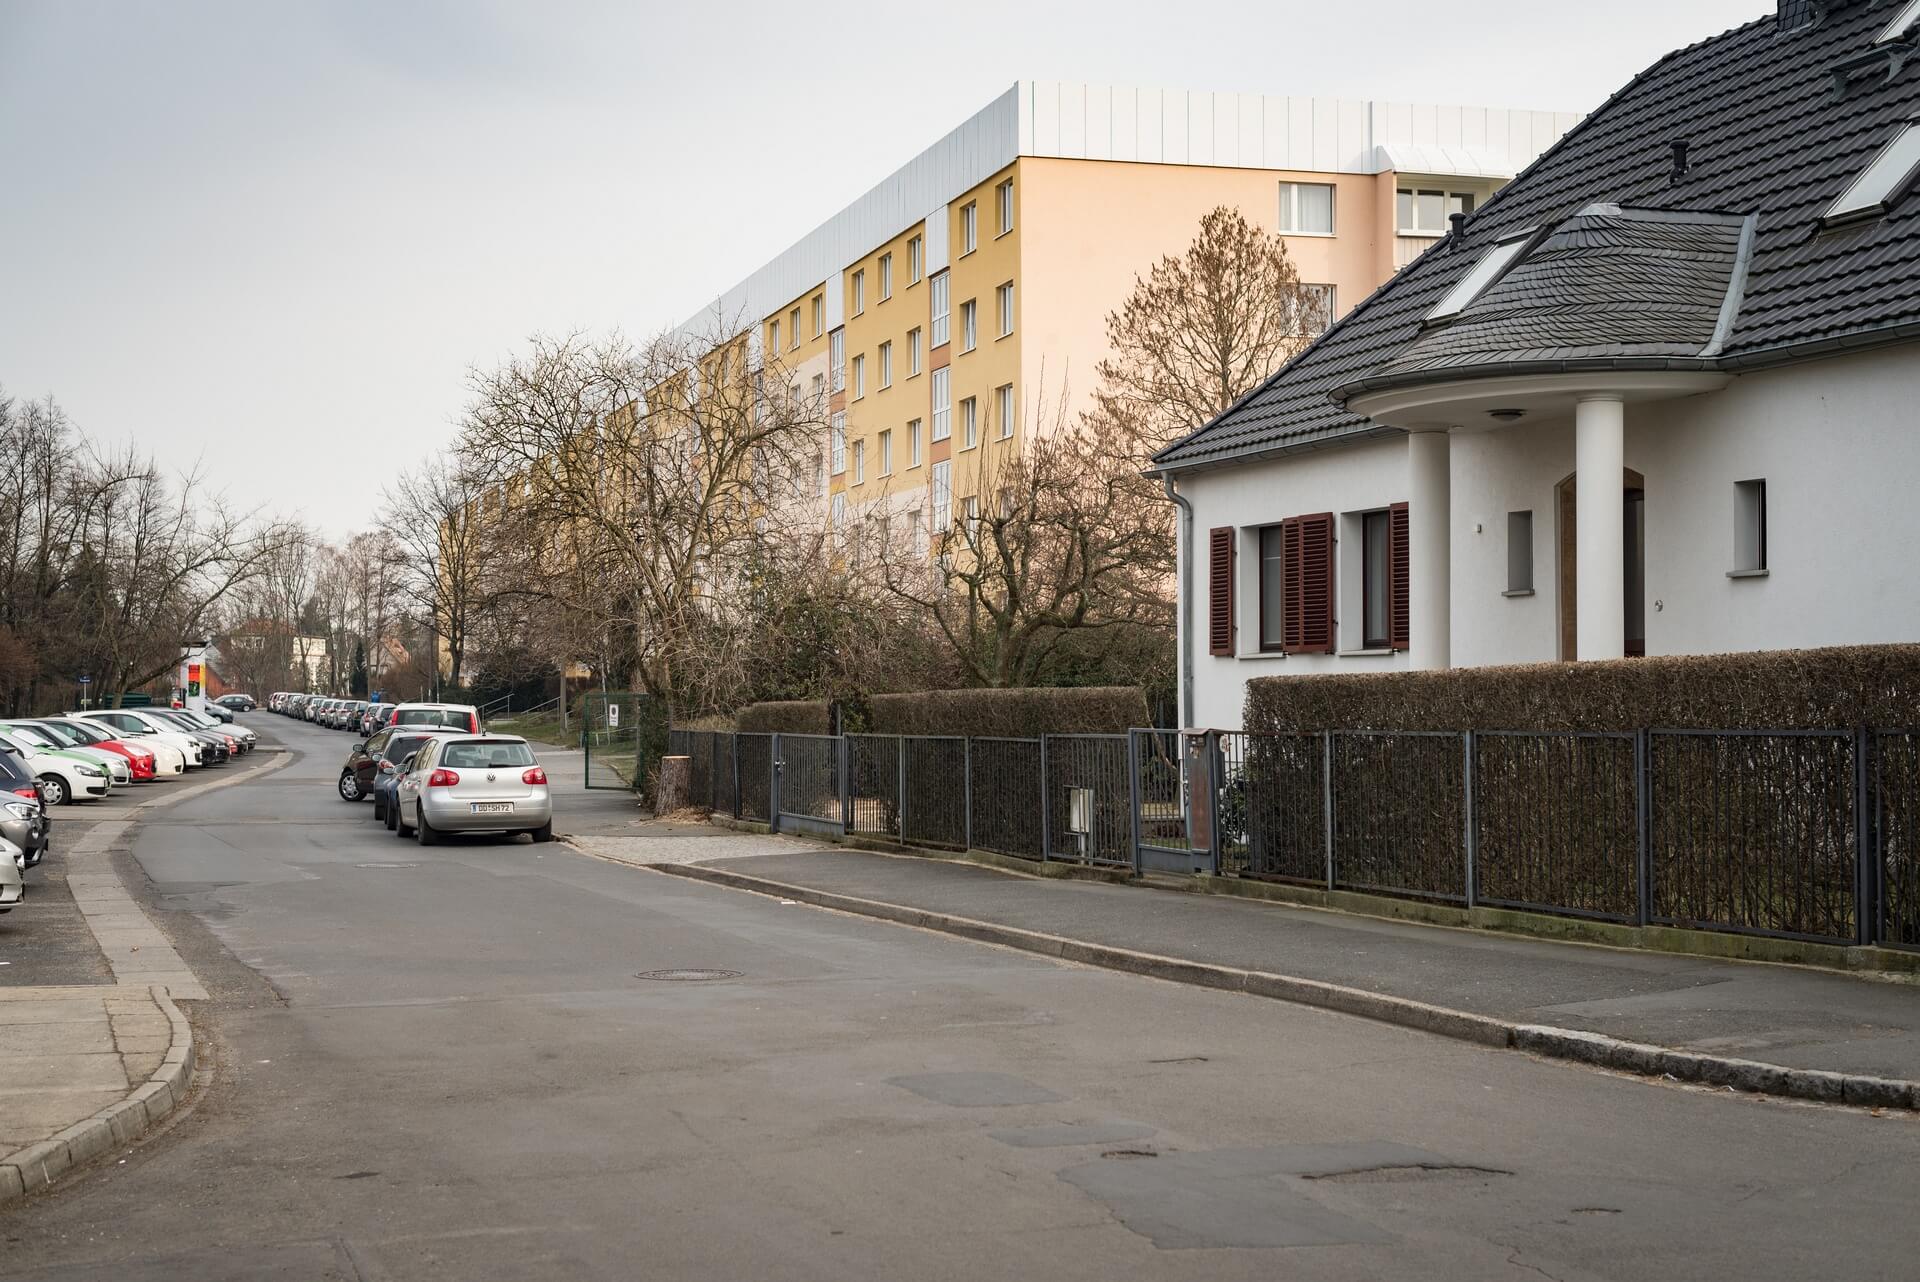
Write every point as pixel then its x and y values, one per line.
pixel 440 553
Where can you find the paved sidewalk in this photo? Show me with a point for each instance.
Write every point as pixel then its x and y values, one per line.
pixel 1790 1016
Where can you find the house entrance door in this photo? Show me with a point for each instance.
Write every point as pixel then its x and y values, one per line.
pixel 1634 554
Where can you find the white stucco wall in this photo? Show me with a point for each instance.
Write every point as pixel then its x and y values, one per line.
pixel 1836 440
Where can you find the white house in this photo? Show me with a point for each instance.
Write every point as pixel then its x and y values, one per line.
pixel 1660 395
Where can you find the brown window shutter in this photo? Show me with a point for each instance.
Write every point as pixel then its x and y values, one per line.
pixel 1292 564
pixel 1399 593
pixel 1309 572
pixel 1220 590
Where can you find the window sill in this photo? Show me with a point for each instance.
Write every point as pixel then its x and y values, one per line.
pixel 1318 235
pixel 1372 652
pixel 1517 592
pixel 1007 232
pixel 1747 574
pixel 1261 654
pixel 998 337
pixel 1417 234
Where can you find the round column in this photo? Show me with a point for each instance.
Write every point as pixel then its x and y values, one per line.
pixel 1429 555
pixel 1600 460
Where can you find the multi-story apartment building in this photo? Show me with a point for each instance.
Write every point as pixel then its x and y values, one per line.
pixel 961 303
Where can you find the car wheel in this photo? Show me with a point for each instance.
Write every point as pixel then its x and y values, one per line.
pixel 379 809
pixel 393 818
pixel 54 789
pixel 543 833
pixel 349 786
pixel 400 828
pixel 425 832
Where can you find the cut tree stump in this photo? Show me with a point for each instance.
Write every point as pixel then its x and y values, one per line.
pixel 674 789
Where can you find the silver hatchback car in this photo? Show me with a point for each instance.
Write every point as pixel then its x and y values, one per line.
pixel 473 784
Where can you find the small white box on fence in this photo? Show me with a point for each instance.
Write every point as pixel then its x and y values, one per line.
pixel 1080 810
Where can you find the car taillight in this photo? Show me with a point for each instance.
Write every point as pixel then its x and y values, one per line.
pixel 32 794
pixel 386 767
pixel 535 775
pixel 443 779
pixel 473 722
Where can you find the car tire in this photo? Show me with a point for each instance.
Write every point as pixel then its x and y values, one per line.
pixel 392 819
pixel 543 833
pixel 379 810
pixel 425 833
pixel 54 789
pixel 400 828
pixel 350 787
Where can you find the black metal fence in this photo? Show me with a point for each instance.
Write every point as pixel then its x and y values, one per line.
pixel 1801 834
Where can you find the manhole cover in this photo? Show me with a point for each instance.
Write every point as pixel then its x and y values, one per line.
pixel 688 973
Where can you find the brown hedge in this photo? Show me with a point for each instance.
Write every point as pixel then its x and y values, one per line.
pixel 791 716
pixel 1828 689
pixel 1014 714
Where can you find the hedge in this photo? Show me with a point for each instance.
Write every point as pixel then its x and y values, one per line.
pixel 1013 714
pixel 791 716
pixel 1827 689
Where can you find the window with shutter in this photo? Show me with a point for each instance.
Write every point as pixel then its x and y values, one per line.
pixel 1220 590
pixel 1399 633
pixel 1308 627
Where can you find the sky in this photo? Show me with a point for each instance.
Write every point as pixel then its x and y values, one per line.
pixel 268 239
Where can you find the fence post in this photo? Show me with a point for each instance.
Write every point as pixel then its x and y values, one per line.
pixel 1216 776
pixel 900 786
pixel 1046 818
pixel 966 756
pixel 1133 797
pixel 1472 834
pixel 737 808
pixel 1326 797
pixel 843 756
pixel 773 786
pixel 1865 901
pixel 1643 826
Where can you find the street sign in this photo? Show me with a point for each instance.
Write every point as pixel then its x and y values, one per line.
pixel 85 680
pixel 613 716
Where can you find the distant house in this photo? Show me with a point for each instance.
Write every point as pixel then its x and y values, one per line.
pixel 1659 395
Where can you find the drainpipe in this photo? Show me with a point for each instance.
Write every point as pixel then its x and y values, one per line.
pixel 1185 631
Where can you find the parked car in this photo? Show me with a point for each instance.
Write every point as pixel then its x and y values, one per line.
pixel 118 768
pixel 444 716
pixel 142 763
pixel 473 784
pixel 375 719
pixel 144 723
pixel 13 876
pixel 371 767
pixel 223 715
pixel 226 747
pixel 23 815
pixel 63 778
pixel 236 702
pixel 241 738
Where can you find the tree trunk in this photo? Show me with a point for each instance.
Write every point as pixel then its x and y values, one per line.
pixel 674 788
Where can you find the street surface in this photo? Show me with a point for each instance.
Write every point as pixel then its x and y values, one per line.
pixel 443 1063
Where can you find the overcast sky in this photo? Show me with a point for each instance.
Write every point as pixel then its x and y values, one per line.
pixel 272 236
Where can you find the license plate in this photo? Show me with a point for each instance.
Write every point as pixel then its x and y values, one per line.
pixel 491 807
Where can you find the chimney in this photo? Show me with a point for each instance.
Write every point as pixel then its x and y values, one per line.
pixel 1459 234
pixel 1680 165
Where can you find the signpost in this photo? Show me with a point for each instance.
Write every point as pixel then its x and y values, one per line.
pixel 85 680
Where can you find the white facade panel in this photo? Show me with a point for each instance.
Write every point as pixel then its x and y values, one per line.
pixel 1073 120
pixel 1356 137
pixel 1174 149
pixel 1326 135
pixel 939 256
pixel 1045 98
pixel 1149 126
pixel 1250 148
pixel 1099 99
pixel 1299 152
pixel 1126 124
pixel 1473 127
pixel 836 293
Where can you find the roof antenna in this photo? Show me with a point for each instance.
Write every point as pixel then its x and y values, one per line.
pixel 1680 166
pixel 1459 233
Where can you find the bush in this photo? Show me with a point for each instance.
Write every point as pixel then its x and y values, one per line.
pixel 1828 689
pixel 790 716
pixel 1013 714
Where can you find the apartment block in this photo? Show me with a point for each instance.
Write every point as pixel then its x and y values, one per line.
pixel 960 305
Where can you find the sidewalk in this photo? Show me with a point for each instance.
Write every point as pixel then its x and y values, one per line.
pixel 1792 1017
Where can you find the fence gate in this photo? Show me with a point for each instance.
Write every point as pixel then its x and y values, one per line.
pixel 1164 803
pixel 610 735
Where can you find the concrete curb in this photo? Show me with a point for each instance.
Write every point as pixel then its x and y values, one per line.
pixel 1573 1045
pixel 34 1168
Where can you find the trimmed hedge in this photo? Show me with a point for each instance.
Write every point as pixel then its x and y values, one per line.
pixel 1013 714
pixel 1828 689
pixel 790 716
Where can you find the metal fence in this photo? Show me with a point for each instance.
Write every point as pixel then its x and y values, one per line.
pixel 1802 834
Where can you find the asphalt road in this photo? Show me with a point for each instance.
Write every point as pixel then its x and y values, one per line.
pixel 440 1063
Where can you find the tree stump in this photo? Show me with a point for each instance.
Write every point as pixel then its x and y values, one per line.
pixel 674 790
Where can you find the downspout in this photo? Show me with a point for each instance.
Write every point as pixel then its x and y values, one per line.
pixel 1185 573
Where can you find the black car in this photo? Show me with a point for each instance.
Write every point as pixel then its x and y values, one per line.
pixel 236 702
pixel 369 763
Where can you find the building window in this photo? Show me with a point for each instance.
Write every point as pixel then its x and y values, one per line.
pixel 886 365
pixel 839 512
pixel 1484 272
pixel 942 487
pixel 773 334
pixel 938 283
pixel 1885 177
pixel 1422 212
pixel 1376 579
pixel 859 376
pixel 969 326
pixel 915 260
pixel 859 291
pixel 1519 553
pixel 1003 408
pixel 886 277
pixel 1273 588
pixel 819 315
pixel 1317 309
pixel 1003 298
pixel 837 442
pixel 971 506
pixel 859 462
pixel 969 423
pixel 886 453
pixel 913 351
pixel 793 329
pixel 1750 527
pixel 969 228
pixel 913 443
pixel 1306 209
pixel 942 405
pixel 1005 201
pixel 837 359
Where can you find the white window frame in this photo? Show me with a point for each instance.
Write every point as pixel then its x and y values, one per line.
pixel 1003 408
pixel 1003 198
pixel 1448 199
pixel 885 268
pixel 859 291
pixel 942 286
pixel 837 443
pixel 837 358
pixel 969 325
pixel 913 351
pixel 819 315
pixel 1519 553
pixel 1290 222
pixel 1749 529
pixel 940 485
pixel 886 365
pixel 1003 299
pixel 916 260
pixel 793 323
pixel 913 442
pixel 839 512
pixel 969 228
pixel 1330 295
pixel 942 404
pixel 1481 276
pixel 1889 173
pixel 859 462
pixel 773 335
pixel 969 422
pixel 859 376
pixel 885 440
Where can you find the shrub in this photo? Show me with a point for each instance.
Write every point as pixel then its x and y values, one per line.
pixel 1827 689
pixel 1013 714
pixel 789 716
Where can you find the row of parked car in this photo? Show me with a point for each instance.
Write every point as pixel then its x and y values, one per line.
pixel 365 719
pixel 86 755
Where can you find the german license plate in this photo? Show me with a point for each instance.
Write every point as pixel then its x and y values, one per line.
pixel 491 807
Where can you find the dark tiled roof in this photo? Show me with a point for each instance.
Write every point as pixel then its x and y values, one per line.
pixel 1771 134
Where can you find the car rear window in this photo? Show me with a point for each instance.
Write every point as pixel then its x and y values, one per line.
pixel 447 718
pixel 12 771
pixel 485 756
pixel 399 749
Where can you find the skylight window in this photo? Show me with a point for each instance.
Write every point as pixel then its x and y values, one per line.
pixel 1902 23
pixel 1882 179
pixel 1492 265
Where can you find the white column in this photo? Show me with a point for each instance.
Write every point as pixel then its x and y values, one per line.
pixel 1599 459
pixel 1429 557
